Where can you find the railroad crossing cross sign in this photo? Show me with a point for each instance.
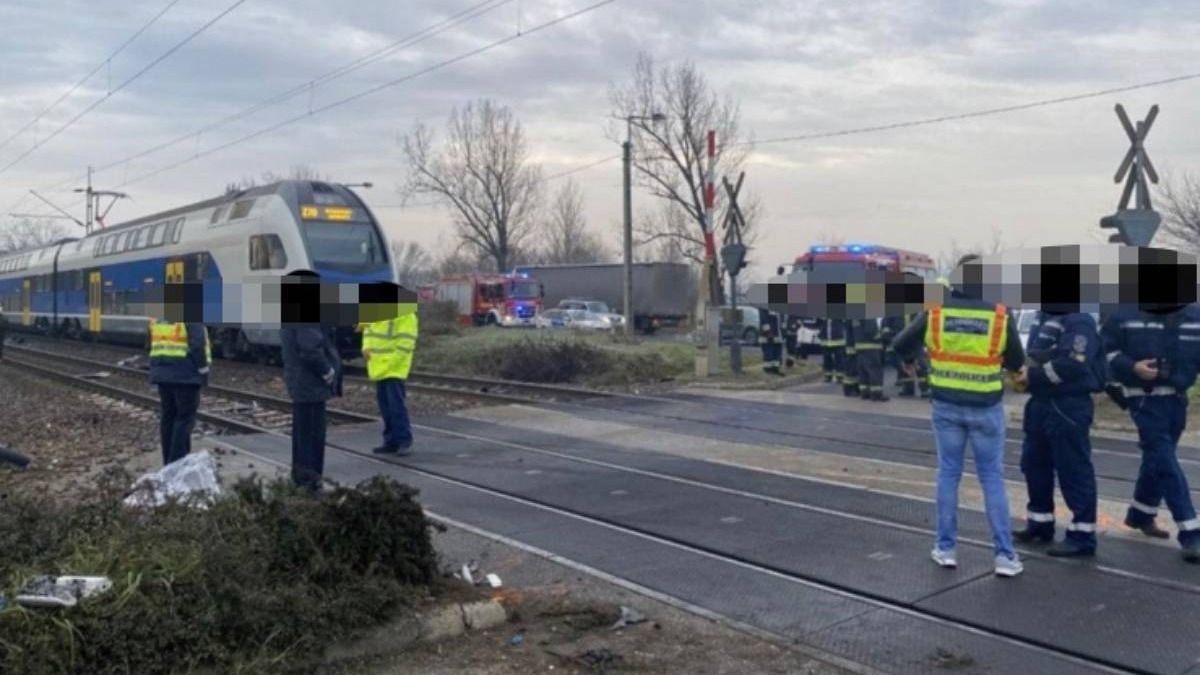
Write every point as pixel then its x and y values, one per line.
pixel 1135 226
pixel 1136 166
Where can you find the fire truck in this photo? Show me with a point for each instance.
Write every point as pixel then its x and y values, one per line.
pixel 493 299
pixel 853 258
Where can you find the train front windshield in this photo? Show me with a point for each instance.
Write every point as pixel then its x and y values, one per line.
pixel 347 247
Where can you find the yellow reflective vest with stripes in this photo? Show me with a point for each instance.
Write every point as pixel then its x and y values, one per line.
pixel 965 348
pixel 388 347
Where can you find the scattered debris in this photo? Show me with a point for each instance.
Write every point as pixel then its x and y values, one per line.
pixel 598 659
pixel 192 476
pixel 52 591
pixel 518 639
pixel 494 581
pixel 629 617
pixel 467 573
pixel 948 660
pixel 13 457
pixel 98 375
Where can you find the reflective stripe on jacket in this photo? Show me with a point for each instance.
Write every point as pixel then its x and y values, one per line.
pixel 179 355
pixel 965 348
pixel 390 345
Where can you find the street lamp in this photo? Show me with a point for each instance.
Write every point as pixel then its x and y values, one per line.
pixel 655 118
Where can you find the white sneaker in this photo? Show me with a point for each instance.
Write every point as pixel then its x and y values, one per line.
pixel 944 558
pixel 1008 567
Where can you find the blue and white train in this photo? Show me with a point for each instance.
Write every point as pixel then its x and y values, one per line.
pixel 97 287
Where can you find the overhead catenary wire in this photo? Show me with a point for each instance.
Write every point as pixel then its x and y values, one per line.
pixel 473 12
pixel 373 90
pixel 147 68
pixel 100 66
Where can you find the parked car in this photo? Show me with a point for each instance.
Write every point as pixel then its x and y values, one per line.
pixel 595 306
pixel 577 319
pixel 746 329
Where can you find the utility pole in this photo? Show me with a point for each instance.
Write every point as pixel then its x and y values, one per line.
pixel 628 207
pixel 93 203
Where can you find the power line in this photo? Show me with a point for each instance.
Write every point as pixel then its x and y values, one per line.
pixel 106 62
pixel 473 12
pixel 977 113
pixel 162 57
pixel 373 90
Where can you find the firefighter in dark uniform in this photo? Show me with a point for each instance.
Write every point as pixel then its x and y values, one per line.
pixel 3 333
pixel 869 345
pixel 833 348
pixel 1154 354
pixel 180 358
pixel 771 342
pixel 1065 365
pixel 849 360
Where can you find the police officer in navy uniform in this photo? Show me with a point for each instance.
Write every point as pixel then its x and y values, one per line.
pixel 1153 351
pixel 771 343
pixel 1065 364
pixel 180 359
pixel 312 370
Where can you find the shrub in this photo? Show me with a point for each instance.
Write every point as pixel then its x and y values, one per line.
pixel 261 581
pixel 438 318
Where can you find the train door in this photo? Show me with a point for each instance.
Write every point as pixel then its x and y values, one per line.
pixel 26 302
pixel 95 294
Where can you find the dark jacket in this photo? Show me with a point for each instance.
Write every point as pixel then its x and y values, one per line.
pixel 768 332
pixel 911 340
pixel 832 331
pixel 1066 355
pixel 3 326
pixel 191 371
pixel 309 353
pixel 1131 336
pixel 866 332
pixel 848 332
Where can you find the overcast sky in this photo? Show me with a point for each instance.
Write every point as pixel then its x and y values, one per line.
pixel 1043 176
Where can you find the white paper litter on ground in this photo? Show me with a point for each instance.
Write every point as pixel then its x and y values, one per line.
pixel 51 591
pixel 193 476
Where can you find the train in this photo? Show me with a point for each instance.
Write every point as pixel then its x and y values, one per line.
pixel 97 287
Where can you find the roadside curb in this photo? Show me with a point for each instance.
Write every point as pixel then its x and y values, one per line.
pixel 432 625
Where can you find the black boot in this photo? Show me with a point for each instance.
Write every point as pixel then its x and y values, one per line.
pixel 1070 549
pixel 1191 553
pixel 1150 529
pixel 879 396
pixel 1034 535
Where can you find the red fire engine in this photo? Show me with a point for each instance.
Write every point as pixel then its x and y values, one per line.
pixel 493 299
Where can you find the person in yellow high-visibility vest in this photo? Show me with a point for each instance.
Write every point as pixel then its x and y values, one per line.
pixel 388 348
pixel 970 342
pixel 180 358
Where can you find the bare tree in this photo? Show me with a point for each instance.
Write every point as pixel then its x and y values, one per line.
pixel 29 233
pixel 458 261
pixel 948 258
pixel 482 172
pixel 414 264
pixel 566 236
pixel 1180 203
pixel 297 172
pixel 671 156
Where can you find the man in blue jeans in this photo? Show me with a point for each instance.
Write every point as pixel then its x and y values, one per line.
pixel 970 343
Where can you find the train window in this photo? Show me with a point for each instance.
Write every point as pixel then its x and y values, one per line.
pixel 135 239
pixel 266 252
pixel 219 213
pixel 241 209
pixel 178 231
pixel 157 232
pixel 77 280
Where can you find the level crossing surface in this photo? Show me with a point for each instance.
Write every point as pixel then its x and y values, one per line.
pixel 836 567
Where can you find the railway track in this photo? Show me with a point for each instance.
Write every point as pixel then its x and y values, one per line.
pixel 235 410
